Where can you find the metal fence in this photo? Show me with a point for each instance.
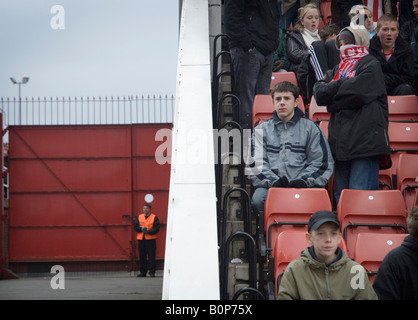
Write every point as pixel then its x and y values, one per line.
pixel 87 111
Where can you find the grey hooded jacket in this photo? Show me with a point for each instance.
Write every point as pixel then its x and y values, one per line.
pixel 297 149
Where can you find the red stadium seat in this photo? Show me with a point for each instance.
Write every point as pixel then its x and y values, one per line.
pixel 263 108
pixel 323 125
pixel 385 179
pixel 287 248
pixel 371 248
pixel 277 77
pixel 403 108
pixel 291 208
pixel 403 138
pixel 317 113
pixel 375 211
pixel 406 173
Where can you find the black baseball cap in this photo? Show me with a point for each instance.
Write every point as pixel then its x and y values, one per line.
pixel 320 217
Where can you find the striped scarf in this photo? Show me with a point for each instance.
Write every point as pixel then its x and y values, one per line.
pixel 350 55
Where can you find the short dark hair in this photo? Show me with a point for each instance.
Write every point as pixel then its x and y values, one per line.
pixel 147 205
pixel 328 30
pixel 285 86
pixel 387 17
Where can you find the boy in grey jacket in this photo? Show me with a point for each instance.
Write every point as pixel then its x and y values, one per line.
pixel 287 150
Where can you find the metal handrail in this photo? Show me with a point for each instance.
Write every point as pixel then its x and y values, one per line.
pixel 225 263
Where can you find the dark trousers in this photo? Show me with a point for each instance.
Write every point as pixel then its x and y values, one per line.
pixel 147 248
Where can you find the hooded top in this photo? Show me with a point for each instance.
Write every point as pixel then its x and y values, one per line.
pixel 308 279
pixel 360 35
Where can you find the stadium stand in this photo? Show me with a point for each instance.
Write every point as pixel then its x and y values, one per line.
pixel 371 248
pixel 373 211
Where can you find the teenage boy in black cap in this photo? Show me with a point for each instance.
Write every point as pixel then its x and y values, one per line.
pixel 323 271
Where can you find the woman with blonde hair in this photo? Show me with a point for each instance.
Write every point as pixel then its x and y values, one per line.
pixel 303 34
pixel 361 16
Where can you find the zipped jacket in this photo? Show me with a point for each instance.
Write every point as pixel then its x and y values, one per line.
pixel 296 149
pixel 308 279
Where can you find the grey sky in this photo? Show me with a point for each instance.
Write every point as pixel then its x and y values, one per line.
pixel 107 47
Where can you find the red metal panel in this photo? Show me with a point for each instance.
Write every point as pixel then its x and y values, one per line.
pixel 74 189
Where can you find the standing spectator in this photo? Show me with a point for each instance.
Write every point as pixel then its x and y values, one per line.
pixel 304 33
pixel 408 28
pixel 394 55
pixel 147 225
pixel 253 28
pixel 397 277
pixel 289 150
pixel 355 95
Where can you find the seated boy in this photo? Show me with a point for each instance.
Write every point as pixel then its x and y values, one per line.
pixel 288 150
pixel 324 271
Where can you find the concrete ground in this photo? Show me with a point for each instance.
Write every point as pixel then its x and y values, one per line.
pixel 83 286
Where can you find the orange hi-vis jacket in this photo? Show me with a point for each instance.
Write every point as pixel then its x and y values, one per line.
pixel 147 223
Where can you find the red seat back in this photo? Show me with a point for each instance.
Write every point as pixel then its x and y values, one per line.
pixel 373 209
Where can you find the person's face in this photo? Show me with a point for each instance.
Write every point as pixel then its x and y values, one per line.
pixel 146 210
pixel 415 7
pixel 325 241
pixel 388 33
pixel 367 16
pixel 311 20
pixel 284 104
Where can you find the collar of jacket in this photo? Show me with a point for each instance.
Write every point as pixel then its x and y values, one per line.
pixel 296 117
pixel 400 45
pixel 311 262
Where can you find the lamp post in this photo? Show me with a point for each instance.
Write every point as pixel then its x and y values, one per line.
pixel 24 80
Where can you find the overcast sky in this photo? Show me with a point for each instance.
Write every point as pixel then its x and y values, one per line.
pixel 88 47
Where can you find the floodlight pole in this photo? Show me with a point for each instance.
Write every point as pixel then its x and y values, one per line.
pixel 19 83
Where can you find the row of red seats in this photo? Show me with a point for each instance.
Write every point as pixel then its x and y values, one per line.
pixel 372 222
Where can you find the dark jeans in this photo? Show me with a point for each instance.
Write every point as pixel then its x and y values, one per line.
pixel 252 75
pixel 360 174
pixel 147 248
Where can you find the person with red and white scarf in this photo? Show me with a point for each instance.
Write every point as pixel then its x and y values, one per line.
pixel 355 95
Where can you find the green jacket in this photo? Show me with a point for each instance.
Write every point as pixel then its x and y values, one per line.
pixel 308 279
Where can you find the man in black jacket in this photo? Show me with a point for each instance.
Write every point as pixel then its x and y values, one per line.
pixel 253 28
pixel 395 57
pixel 397 277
